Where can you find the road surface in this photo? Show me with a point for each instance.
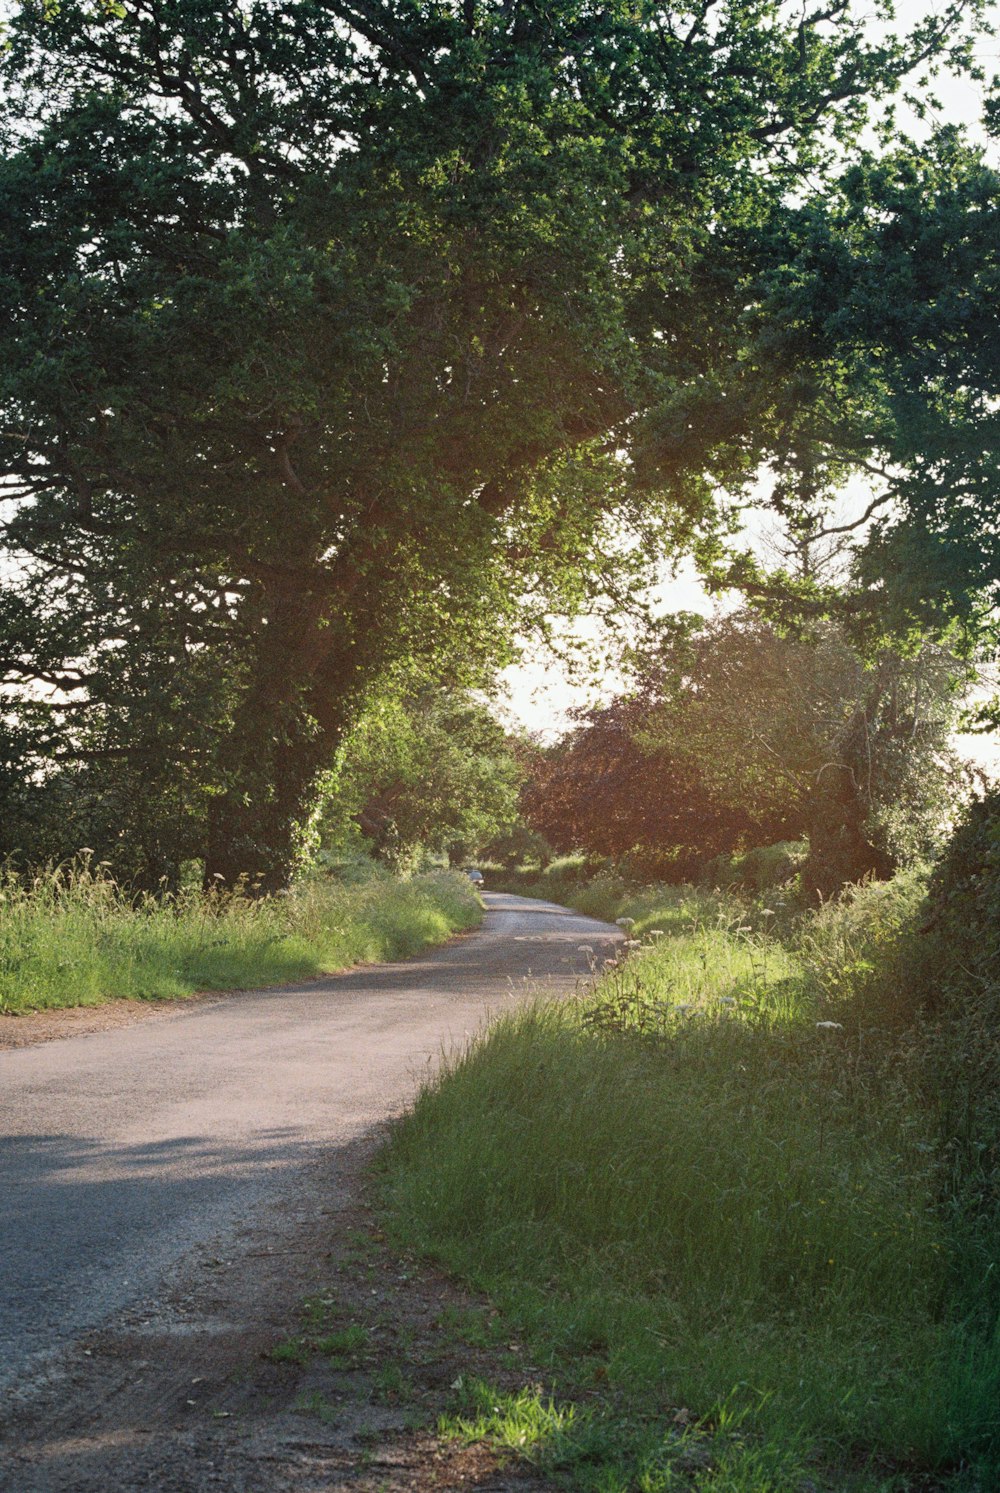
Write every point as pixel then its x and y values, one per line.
pixel 125 1150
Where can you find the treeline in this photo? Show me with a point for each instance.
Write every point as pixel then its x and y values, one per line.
pixel 735 734
pixel 342 345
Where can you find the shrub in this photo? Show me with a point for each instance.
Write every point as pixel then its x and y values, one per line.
pixel 760 869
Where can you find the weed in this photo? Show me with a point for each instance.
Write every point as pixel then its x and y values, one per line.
pixel 470 1325
pixel 391 1383
pixel 295 1350
pixel 343 1347
pixel 318 1405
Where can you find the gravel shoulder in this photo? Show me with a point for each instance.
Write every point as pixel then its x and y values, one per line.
pixel 191 1391
pixel 30 1028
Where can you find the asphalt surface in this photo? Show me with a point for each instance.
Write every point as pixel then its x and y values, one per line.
pixel 124 1150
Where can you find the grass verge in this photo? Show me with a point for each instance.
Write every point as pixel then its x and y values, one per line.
pixel 71 938
pixel 715 1189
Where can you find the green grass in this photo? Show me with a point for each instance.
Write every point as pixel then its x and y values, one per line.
pixel 685 1191
pixel 71 938
pixel 590 1446
pixel 343 1348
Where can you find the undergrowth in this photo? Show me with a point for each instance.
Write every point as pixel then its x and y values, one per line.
pixel 720 1182
pixel 71 937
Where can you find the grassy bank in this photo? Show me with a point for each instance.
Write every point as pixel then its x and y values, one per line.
pixel 717 1198
pixel 71 938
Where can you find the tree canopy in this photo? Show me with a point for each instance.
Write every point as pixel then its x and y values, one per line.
pixel 880 334
pixel 337 335
pixel 425 771
pixel 733 735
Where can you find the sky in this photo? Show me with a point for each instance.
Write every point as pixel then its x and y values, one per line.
pixel 539 691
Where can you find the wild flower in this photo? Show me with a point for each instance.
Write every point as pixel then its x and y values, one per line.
pixel 727 1000
pixel 830 1026
pixel 625 923
pixel 632 943
pixel 656 934
pixel 584 948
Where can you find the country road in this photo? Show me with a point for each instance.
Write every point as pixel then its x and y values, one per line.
pixel 125 1151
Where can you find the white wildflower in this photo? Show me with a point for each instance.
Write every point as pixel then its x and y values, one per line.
pixel 830 1026
pixel 625 923
pixel 584 948
pixel 727 1000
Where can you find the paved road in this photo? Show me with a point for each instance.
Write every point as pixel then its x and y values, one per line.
pixel 124 1149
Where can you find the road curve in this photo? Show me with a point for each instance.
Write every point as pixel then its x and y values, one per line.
pixel 124 1149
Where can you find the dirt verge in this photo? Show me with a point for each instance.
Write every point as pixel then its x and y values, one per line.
pixel 226 1382
pixel 27 1028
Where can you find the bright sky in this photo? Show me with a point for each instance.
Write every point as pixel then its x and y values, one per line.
pixel 540 691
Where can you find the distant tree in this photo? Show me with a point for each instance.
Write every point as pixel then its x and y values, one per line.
pixel 610 789
pixel 518 845
pixel 424 772
pixel 735 735
pixel 856 750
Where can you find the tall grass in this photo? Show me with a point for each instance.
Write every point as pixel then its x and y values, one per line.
pixel 71 937
pixel 716 1182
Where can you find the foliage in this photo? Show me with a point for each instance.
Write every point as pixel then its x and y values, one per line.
pixel 952 980
pixel 423 772
pixel 608 788
pixel 964 897
pixel 879 336
pixel 732 1200
pixel 555 882
pixel 519 846
pixel 858 750
pixel 735 733
pixel 762 869
pixel 333 336
pixel 71 937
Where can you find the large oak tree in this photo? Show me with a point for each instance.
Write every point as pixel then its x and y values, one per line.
pixel 332 332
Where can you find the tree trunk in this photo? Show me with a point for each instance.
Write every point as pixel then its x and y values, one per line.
pixel 840 851
pixel 284 734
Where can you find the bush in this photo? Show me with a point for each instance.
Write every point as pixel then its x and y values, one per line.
pixel 760 869
pixel 964 907
pixel 552 883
